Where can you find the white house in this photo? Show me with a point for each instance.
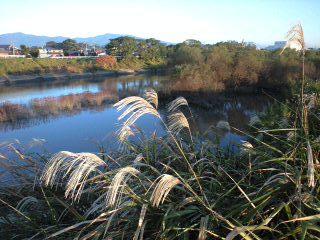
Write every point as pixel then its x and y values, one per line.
pixel 276 46
pixel 281 44
pixel 43 53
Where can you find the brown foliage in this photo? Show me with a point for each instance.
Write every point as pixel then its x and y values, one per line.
pixel 107 62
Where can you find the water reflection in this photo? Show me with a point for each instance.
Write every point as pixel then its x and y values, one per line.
pixel 78 115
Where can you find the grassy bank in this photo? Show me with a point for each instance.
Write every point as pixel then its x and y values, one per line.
pixel 182 186
pixel 27 66
pixel 179 186
pixel 37 66
pixel 227 66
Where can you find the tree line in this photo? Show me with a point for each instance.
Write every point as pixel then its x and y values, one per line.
pixel 220 66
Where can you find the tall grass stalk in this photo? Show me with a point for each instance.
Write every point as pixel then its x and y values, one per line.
pixel 176 186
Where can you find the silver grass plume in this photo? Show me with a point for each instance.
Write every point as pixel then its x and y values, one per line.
pixel 140 223
pixel 203 228
pixel 76 167
pixel 177 121
pixel 125 133
pixel 118 183
pixel 162 189
pixel 295 36
pixel 152 97
pixel 246 145
pixel 135 107
pixel 55 167
pixel 311 180
pixel 176 104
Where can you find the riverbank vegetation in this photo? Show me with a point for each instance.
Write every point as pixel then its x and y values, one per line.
pixel 194 66
pixel 125 54
pixel 181 185
pixel 235 65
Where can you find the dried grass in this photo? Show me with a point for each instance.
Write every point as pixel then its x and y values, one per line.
pixel 203 228
pixel 295 36
pixel 177 121
pixel 117 185
pixel 140 223
pixel 311 170
pixel 162 189
pixel 152 97
pixel 76 167
pixel 176 104
pixel 135 107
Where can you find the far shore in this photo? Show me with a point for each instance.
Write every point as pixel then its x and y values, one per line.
pixel 27 78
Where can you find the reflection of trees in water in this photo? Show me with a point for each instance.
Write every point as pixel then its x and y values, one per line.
pixel 137 85
pixel 235 110
pixel 40 119
pixel 103 83
pixel 14 116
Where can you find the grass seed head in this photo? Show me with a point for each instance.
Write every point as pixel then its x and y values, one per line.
pixel 152 97
pixel 177 121
pixel 118 183
pixel 295 37
pixel 76 167
pixel 176 104
pixel 311 179
pixel 162 189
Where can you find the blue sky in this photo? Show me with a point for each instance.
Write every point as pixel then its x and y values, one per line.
pixel 260 21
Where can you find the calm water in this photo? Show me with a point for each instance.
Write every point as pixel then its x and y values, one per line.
pixel 78 115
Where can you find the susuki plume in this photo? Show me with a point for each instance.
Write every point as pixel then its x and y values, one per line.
pixel 55 166
pixel 177 121
pixel 119 181
pixel 311 180
pixel 140 223
pixel 246 145
pixel 152 97
pixel 125 133
pixel 76 167
pixel 295 36
pixel 136 107
pixel 203 228
pixel 162 189
pixel 175 104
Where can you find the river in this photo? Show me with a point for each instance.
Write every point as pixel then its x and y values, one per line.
pixel 78 115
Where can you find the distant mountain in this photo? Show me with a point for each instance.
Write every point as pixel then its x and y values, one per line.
pixel 27 39
pixel 32 40
pixel 100 39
